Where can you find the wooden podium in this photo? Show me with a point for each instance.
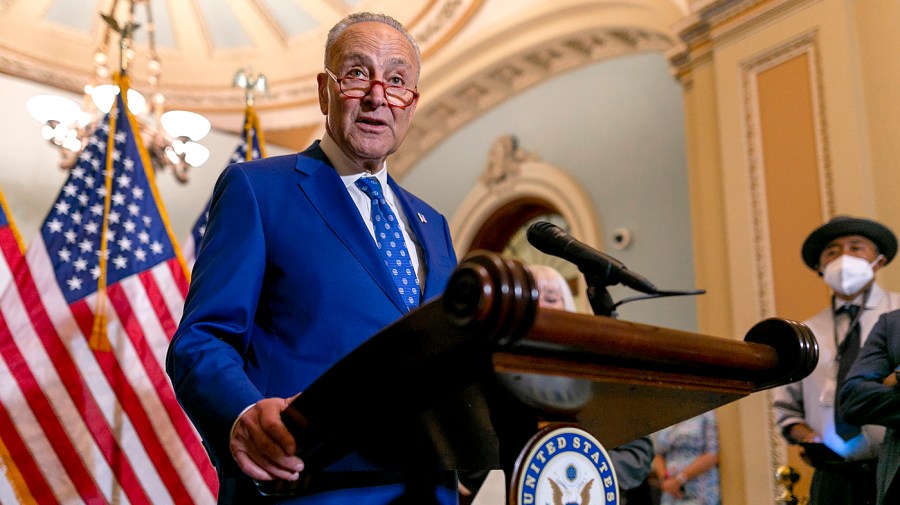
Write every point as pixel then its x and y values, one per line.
pixel 465 380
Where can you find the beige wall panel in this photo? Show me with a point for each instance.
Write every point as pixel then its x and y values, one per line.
pixel 787 132
pixel 788 137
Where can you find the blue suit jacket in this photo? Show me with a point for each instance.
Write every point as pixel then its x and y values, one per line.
pixel 865 400
pixel 287 282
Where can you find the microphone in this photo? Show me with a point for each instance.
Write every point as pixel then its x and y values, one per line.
pixel 551 239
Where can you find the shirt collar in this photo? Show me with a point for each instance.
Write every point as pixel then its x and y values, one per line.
pixel 345 168
pixel 341 162
pixel 875 296
pixel 874 299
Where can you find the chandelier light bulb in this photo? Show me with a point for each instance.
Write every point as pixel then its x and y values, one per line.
pixel 60 132
pixel 262 85
pixel 172 155
pixel 195 154
pixel 71 142
pixel 192 153
pixel 240 79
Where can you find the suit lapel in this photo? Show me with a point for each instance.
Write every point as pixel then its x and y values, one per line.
pixel 326 192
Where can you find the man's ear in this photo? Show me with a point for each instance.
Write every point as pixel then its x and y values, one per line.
pixel 322 80
pixel 880 261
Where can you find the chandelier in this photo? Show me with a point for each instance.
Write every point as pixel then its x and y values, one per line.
pixel 170 137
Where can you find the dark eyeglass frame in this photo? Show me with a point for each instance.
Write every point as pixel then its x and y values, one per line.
pixel 372 82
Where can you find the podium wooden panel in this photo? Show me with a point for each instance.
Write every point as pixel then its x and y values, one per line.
pixel 464 380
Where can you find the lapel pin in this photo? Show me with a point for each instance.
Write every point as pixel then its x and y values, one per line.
pixel 421 217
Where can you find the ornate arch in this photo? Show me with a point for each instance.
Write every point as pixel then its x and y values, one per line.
pixel 515 187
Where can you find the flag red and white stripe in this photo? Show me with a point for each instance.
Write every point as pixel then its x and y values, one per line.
pixel 14 487
pixel 96 417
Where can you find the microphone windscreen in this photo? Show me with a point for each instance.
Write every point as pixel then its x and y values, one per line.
pixel 545 237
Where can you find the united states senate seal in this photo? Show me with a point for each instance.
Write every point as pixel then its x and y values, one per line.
pixel 564 465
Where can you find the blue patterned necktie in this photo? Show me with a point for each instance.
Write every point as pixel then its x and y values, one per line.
pixel 390 242
pixel 847 353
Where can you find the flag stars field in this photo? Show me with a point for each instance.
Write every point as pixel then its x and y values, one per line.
pixel 85 193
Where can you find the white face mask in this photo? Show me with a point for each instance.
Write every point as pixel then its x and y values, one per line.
pixel 848 274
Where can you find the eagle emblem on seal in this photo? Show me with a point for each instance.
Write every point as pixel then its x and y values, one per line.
pixel 568 492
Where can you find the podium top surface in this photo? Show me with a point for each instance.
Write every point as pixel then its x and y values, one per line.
pixel 482 364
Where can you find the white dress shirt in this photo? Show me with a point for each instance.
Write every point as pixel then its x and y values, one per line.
pixel 349 174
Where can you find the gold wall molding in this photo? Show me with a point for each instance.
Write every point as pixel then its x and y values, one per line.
pixel 805 44
pixel 761 237
pixel 713 24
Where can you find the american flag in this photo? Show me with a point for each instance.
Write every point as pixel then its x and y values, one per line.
pixel 13 488
pixel 10 246
pixel 97 413
pixel 251 147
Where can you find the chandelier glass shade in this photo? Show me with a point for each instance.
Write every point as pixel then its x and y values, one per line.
pixel 104 95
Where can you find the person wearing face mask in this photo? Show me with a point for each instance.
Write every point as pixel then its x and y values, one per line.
pixel 846 252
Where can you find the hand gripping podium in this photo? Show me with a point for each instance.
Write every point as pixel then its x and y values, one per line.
pixel 464 381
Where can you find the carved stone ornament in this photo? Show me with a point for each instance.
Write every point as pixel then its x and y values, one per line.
pixel 504 161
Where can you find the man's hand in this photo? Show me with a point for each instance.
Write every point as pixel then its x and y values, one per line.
pixel 262 445
pixel 802 433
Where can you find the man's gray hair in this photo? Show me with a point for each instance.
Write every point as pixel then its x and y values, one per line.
pixel 361 17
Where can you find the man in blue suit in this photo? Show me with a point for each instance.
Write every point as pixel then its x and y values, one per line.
pixel 871 395
pixel 292 275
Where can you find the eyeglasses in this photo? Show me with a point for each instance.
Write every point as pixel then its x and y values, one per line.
pixel 396 96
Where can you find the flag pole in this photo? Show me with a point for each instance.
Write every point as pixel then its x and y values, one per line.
pixel 99 340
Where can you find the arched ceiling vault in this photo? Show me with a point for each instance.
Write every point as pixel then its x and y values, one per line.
pixel 476 53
